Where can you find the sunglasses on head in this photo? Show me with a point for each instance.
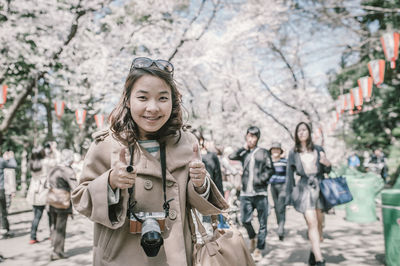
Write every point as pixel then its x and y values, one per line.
pixel 142 62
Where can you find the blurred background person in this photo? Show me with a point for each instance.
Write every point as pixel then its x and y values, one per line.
pixel 61 179
pixel 278 186
pixel 257 170
pixel 213 167
pixel 353 161
pixel 9 162
pixel 10 184
pixel 37 191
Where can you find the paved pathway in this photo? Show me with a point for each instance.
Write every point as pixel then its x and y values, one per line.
pixel 346 243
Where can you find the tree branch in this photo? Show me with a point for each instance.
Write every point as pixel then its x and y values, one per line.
pixel 17 102
pixel 183 37
pixel 279 52
pixel 274 118
pixel 282 101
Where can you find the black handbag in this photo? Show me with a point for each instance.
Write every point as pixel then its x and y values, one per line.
pixel 335 191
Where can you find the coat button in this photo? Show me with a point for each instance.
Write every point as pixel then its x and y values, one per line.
pixel 148 184
pixel 172 214
pixel 170 183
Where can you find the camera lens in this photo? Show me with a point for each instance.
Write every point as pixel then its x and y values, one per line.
pixel 151 237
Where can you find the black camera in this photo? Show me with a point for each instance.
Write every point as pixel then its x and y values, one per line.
pixel 150 225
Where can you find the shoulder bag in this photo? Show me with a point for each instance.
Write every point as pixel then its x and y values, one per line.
pixel 225 248
pixel 59 198
pixel 335 191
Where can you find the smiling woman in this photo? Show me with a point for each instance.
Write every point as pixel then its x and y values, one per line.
pixel 150 104
pixel 152 195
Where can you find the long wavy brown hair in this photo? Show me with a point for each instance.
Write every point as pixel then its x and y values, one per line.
pixel 309 142
pixel 124 127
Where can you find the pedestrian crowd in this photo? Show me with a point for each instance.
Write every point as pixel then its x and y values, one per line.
pixel 146 177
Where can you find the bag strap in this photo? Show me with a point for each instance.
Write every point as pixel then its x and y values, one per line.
pixel 191 225
pixel 200 226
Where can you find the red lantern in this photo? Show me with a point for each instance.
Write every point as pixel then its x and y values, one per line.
pixel 336 115
pixel 59 108
pixel 390 43
pixel 99 120
pixel 339 106
pixel 349 101
pixel 377 71
pixel 3 95
pixel 357 97
pixel 342 103
pixel 365 85
pixel 80 116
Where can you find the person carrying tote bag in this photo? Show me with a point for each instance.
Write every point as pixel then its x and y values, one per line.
pixel 226 247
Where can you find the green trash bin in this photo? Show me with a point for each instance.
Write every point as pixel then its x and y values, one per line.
pixel 362 208
pixel 391 225
pixel 397 184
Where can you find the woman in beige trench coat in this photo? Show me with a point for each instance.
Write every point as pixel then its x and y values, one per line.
pixel 148 114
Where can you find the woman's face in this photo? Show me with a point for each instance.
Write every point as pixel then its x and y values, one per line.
pixel 302 133
pixel 150 104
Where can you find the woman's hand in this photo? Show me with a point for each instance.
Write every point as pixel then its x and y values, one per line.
pixel 119 177
pixel 197 170
pixel 323 160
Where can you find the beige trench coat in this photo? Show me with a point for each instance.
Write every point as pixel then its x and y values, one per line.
pixel 113 244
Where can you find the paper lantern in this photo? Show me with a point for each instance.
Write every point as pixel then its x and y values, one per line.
pixel 59 108
pixel 80 116
pixel 99 120
pixel 377 71
pixel 342 103
pixel 3 95
pixel 349 101
pixel 357 97
pixel 390 43
pixel 335 116
pixel 365 85
pixel 338 106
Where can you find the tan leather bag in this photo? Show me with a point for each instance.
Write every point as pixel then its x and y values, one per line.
pixel 59 198
pixel 225 248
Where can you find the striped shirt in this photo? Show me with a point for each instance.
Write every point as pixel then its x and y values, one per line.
pixel 151 146
pixel 280 172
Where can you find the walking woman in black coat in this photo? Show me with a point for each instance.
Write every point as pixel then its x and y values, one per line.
pixel 310 163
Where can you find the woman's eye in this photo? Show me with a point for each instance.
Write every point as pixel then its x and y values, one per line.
pixel 163 99
pixel 141 98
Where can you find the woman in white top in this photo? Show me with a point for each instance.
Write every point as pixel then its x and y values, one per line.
pixel 310 163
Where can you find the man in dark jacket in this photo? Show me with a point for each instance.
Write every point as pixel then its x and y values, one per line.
pixel 257 170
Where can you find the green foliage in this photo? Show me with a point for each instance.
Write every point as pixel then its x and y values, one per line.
pixel 378 125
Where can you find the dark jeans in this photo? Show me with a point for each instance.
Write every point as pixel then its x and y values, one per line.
pixel 3 210
pixel 37 212
pixel 58 229
pixel 247 206
pixel 278 192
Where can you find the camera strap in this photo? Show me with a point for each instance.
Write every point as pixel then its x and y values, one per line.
pixel 164 178
pixel 166 206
